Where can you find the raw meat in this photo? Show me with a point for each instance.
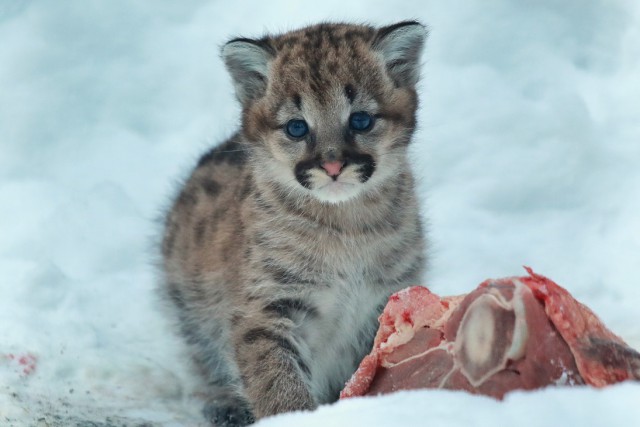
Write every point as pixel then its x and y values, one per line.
pixel 513 333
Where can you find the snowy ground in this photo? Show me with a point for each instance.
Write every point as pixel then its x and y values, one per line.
pixel 527 154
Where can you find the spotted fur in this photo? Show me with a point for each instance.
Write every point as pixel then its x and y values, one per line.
pixel 278 270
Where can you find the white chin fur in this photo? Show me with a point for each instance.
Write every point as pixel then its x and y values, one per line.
pixel 336 192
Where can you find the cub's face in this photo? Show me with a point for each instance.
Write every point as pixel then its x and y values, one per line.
pixel 330 109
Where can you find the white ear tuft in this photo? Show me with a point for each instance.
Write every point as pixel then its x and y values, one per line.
pixel 401 47
pixel 248 63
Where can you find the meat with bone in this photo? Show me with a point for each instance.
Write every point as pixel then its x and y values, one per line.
pixel 513 333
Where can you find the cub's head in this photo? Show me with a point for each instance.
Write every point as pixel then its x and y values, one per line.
pixel 329 109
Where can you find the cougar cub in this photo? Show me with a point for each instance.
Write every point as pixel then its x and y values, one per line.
pixel 286 241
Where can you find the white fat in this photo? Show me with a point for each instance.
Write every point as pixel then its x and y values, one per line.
pixel 404 333
pixel 442 346
pixel 520 328
pixel 477 329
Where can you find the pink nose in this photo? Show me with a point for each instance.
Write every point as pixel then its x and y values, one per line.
pixel 333 168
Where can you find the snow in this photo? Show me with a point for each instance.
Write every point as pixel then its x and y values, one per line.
pixel 527 154
pixel 616 406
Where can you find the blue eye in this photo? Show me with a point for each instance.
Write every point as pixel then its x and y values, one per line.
pixel 360 121
pixel 297 128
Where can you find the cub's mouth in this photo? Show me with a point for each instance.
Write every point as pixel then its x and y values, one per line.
pixel 336 179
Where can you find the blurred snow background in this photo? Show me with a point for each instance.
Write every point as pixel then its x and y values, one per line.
pixel 527 153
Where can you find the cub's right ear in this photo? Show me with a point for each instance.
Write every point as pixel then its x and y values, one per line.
pixel 248 62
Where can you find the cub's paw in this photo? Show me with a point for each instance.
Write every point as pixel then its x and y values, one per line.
pixel 228 415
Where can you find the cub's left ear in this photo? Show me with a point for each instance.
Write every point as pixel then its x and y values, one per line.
pixel 401 47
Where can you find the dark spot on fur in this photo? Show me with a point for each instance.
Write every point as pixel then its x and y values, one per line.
pixel 302 73
pixel 283 275
pixel 218 214
pixel 190 331
pixel 351 35
pixel 287 307
pixel 412 273
pixel 237 317
pixel 302 169
pixel 261 239
pixel 199 231
pixel 238 227
pixel 247 253
pixel 187 199
pixel 176 296
pixel 211 187
pixel 333 40
pixel 247 188
pixel 317 41
pixel 261 333
pixel 281 342
pixel 231 152
pixel 365 161
pixel 297 101
pixel 350 92
pixel 348 137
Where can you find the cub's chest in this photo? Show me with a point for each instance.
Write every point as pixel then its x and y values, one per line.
pixel 347 297
pixel 339 336
pixel 347 255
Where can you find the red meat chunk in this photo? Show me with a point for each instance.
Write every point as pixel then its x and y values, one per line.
pixel 514 333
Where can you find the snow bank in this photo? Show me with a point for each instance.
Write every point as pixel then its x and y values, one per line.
pixel 616 406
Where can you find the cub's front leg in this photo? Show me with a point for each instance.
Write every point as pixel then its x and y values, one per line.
pixel 273 370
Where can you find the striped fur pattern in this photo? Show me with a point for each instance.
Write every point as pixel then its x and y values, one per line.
pixel 278 271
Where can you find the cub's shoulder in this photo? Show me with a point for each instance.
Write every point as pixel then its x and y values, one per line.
pixel 232 152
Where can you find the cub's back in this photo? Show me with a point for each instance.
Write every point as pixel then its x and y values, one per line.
pixel 204 230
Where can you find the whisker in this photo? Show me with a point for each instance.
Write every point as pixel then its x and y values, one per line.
pixel 232 151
